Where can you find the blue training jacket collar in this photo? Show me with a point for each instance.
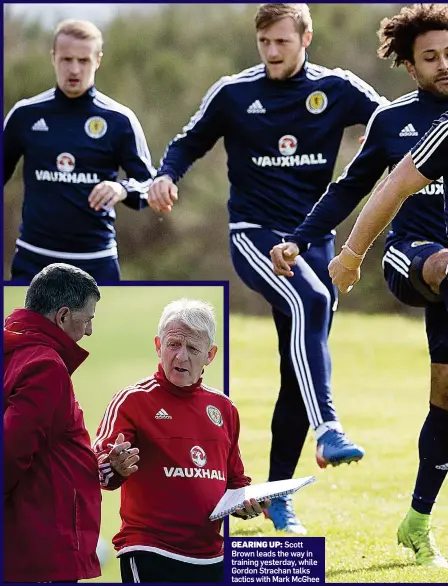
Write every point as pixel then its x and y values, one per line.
pixel 86 98
pixel 430 98
pixel 296 77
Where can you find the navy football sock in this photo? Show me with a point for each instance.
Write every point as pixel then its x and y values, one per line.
pixel 444 290
pixel 433 451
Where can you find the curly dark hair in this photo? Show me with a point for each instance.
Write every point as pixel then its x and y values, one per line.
pixel 397 34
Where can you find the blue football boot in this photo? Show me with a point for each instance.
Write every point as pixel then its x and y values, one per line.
pixel 334 448
pixel 282 514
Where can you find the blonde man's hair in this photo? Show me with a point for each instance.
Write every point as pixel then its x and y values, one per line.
pixel 79 29
pixel 268 14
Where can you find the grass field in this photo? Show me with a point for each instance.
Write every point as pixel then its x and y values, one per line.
pixel 381 378
pixel 381 381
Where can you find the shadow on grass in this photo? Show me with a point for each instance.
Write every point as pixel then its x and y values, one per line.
pixel 375 568
pixel 251 532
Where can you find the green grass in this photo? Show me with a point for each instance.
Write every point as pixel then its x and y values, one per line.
pixel 381 382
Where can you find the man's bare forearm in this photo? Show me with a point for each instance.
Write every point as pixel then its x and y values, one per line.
pixel 384 203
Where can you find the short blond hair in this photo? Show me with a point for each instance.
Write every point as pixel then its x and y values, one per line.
pixel 268 14
pixel 79 29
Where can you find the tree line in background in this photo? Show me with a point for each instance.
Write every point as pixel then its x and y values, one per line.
pixel 161 64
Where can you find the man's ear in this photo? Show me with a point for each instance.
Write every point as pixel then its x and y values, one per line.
pixel 410 69
pixel 61 317
pixel 98 61
pixel 306 39
pixel 211 355
pixel 158 345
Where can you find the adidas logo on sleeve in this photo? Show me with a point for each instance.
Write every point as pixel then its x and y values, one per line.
pixel 256 108
pixel 162 414
pixel 408 130
pixel 40 125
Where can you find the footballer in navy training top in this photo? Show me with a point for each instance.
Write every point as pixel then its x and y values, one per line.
pixel 73 140
pixel 427 161
pixel 416 250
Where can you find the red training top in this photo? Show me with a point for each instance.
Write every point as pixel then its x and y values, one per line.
pixel 189 456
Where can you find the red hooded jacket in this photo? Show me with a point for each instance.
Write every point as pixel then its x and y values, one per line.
pixel 52 490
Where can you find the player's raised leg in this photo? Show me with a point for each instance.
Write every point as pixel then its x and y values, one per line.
pixel 413 271
pixel 307 301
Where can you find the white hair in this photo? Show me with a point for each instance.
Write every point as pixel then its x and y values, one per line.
pixel 197 315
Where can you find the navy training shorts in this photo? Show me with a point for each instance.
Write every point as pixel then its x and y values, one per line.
pixel 403 265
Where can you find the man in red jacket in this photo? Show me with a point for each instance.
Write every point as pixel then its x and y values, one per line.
pixel 186 446
pixel 52 490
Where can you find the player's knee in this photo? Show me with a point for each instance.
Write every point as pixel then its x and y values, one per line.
pixel 440 400
pixel 439 386
pixel 434 269
pixel 324 297
pixel 319 304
